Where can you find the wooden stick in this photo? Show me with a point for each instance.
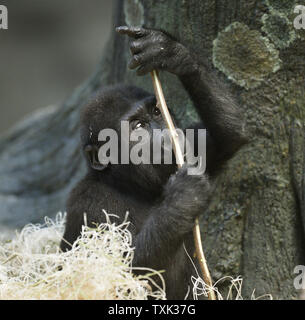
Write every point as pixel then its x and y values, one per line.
pixel 161 104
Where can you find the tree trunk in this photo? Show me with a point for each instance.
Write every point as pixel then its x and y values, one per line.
pixel 254 226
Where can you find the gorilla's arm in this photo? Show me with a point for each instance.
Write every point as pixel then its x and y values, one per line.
pixel 218 111
pixel 185 197
pixel 154 49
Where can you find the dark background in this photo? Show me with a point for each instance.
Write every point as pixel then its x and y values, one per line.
pixel 50 47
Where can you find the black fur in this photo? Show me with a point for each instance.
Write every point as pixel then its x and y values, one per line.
pixel 162 204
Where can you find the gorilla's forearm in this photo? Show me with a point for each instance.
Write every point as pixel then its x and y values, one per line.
pixel 216 107
pixel 160 238
pixel 185 197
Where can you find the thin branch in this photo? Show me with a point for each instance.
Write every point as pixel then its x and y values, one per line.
pixel 161 103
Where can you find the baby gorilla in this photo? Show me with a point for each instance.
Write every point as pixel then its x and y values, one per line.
pixel 162 201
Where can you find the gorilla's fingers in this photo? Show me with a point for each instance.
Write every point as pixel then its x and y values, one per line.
pixel 144 70
pixel 148 59
pixel 134 32
pixel 136 61
pixel 138 45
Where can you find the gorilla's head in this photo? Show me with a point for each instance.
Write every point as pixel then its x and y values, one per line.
pixel 105 113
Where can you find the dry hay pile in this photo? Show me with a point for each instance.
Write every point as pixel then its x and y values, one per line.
pixel 99 266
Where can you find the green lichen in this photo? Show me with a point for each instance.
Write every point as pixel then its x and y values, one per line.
pixel 244 55
pixel 283 6
pixel 278 29
pixel 134 12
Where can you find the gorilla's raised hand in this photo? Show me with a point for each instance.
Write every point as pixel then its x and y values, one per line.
pixel 156 50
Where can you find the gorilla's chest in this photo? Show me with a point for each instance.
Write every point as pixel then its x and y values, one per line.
pixel 119 203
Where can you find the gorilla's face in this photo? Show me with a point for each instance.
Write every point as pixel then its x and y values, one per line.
pixel 133 116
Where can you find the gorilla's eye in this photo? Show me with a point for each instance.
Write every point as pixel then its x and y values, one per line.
pixel 156 111
pixel 139 124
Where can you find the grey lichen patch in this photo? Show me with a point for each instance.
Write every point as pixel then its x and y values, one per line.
pixel 292 105
pixel 244 55
pixel 283 6
pixel 134 12
pixel 278 29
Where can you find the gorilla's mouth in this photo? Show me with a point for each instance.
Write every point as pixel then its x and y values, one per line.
pixel 91 153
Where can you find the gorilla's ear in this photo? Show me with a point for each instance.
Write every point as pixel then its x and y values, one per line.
pixel 91 153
